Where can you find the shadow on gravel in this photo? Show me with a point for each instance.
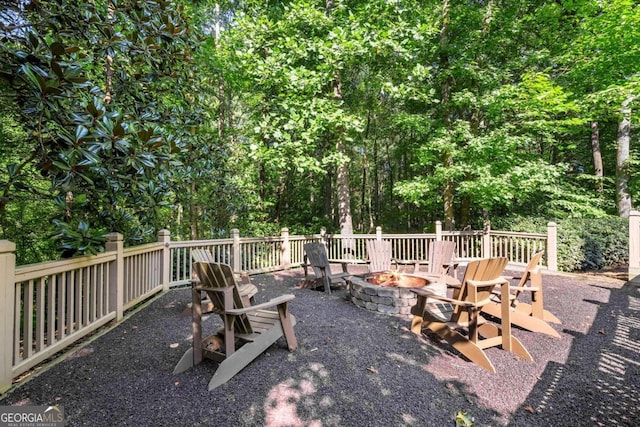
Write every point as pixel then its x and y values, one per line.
pixel 355 368
pixel 600 382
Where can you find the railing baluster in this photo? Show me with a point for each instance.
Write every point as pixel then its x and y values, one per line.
pixel 85 296
pixel 27 319
pixel 40 313
pixel 16 333
pixel 51 309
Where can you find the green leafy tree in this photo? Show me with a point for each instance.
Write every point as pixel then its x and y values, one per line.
pixel 101 87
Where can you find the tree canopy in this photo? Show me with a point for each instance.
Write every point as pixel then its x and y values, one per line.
pixel 202 116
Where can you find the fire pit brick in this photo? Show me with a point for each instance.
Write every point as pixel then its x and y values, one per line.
pixel 387 299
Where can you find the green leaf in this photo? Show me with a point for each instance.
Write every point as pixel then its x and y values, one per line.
pixel 57 48
pixel 464 419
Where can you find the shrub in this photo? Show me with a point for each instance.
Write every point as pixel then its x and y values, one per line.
pixel 583 244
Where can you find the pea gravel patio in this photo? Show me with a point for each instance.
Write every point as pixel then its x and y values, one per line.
pixel 356 368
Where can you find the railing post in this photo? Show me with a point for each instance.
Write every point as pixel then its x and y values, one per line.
pixel 324 240
pixel 552 246
pixel 486 240
pixel 634 246
pixel 285 256
pixel 7 301
pixel 438 230
pixel 164 237
pixel 378 233
pixel 235 249
pixel 116 274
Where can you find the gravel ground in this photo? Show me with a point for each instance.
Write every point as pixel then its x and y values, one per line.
pixel 357 368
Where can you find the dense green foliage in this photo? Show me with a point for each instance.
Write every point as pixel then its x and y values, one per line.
pixel 202 116
pixel 583 244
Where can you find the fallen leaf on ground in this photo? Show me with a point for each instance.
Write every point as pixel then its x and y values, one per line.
pixel 530 409
pixel 371 369
pixel 174 345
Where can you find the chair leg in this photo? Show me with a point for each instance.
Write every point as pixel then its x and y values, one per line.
pixel 416 325
pixel 547 316
pixel 521 316
pixel 288 322
pixel 243 356
pixel 488 330
pixel 327 285
pixel 186 362
pixel 458 341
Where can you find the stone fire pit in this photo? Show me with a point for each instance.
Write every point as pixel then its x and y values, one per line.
pixel 386 292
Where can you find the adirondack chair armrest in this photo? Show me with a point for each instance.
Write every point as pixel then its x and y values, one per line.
pixel 426 293
pixel 525 288
pixel 422 292
pixel 283 299
pixel 343 264
pixel 344 267
pixel 496 281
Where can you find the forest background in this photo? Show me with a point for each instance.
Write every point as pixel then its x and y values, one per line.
pixel 202 116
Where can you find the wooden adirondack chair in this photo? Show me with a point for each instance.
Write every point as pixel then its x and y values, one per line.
pixel 462 312
pixel 441 264
pixel 532 317
pixel 245 287
pixel 248 330
pixel 316 257
pixel 379 254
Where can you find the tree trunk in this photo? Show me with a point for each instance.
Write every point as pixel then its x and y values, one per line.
pixel 447 161
pixel 622 161
pixel 108 87
pixel 363 198
pixel 328 197
pixel 221 111
pixel 342 182
pixel 598 169
pixel 344 196
pixel 376 183
pixel 193 213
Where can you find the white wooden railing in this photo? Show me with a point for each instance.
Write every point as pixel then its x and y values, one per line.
pixel 46 307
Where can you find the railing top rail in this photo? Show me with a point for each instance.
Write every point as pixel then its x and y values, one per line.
pixel 352 236
pixel 260 239
pixel 32 271
pixel 199 243
pixel 384 236
pixel 305 237
pixel 134 250
pixel 518 234
pixel 464 233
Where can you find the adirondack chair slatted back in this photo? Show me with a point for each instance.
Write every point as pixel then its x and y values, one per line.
pixel 531 267
pixel 440 255
pixel 201 255
pixel 317 256
pixel 215 275
pixel 482 270
pixel 379 253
